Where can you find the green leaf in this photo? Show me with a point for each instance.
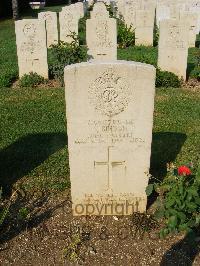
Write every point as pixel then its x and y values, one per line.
pixel 172 222
pixel 149 189
pixel 193 192
pixel 170 202
pixel 197 200
pixel 3 214
pixel 160 213
pixel 183 227
pixel 191 205
pixel 163 233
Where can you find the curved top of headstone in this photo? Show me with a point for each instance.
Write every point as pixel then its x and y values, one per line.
pixel 110 62
pixel 99 11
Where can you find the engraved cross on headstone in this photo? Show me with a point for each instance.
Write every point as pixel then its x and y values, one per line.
pixel 110 164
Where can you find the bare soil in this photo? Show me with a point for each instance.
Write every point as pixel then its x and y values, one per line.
pixel 52 236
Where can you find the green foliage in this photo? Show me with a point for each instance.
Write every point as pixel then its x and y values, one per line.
pixel 111 11
pixel 23 213
pixel 63 54
pixel 178 203
pixel 71 252
pixel 141 54
pixel 155 35
pixel 125 34
pixel 31 80
pixel 167 79
pixel 195 73
pixel 82 31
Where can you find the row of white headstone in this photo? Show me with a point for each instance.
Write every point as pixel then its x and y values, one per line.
pixel 33 36
pixel 109 108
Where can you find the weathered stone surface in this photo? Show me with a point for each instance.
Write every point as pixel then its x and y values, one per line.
pixel 50 19
pixel 173 47
pixel 192 20
pixel 144 27
pixel 68 17
pixel 31 47
pixel 109 124
pixel 101 34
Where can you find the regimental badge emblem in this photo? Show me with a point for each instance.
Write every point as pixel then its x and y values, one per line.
pixel 29 30
pixel 110 93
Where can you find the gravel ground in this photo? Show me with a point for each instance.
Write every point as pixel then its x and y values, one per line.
pixel 52 236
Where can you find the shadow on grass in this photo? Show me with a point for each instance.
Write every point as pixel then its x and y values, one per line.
pixel 15 227
pixel 165 148
pixel 21 157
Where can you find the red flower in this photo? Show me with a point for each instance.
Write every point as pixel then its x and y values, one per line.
pixel 184 170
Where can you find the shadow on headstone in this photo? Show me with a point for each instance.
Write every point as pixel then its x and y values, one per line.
pixel 182 253
pixel 165 148
pixel 22 156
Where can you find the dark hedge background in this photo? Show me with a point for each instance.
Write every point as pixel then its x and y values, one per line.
pixel 6 5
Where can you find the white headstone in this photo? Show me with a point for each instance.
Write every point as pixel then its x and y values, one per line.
pixel 130 13
pixel 50 19
pixel 68 18
pixel 173 47
pixel 162 13
pixel 80 9
pixel 109 124
pixel 31 47
pixel 144 27
pixel 192 20
pixel 101 34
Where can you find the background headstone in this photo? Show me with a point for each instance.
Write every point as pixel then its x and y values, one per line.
pixel 68 18
pixel 109 124
pixel 144 27
pixel 173 47
pixel 31 47
pixel 50 19
pixel 192 20
pixel 162 13
pixel 101 34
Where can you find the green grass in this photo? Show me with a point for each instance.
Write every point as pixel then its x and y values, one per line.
pixel 8 53
pixel 139 54
pixel 33 138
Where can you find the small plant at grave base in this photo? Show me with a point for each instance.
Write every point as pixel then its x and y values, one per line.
pixel 125 34
pixel 5 207
pixel 71 252
pixel 195 73
pixel 178 203
pixel 31 80
pixel 23 213
pixel 167 79
pixel 63 54
pixel 4 210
